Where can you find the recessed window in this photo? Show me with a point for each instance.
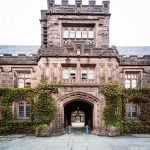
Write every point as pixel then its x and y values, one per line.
pixel 78 34
pixel 66 74
pixel 21 83
pixel 133 110
pixel 57 2
pixel 66 34
pixel 24 110
pixel 72 74
pixel 127 84
pixel 91 74
pixel 69 74
pixel 84 34
pixel 90 34
pixel 84 74
pixel 131 80
pixel 72 34
pixel 24 80
pixel 88 74
pixel 134 84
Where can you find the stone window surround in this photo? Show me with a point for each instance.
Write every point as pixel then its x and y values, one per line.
pixel 131 113
pixel 79 69
pixel 88 34
pixel 22 70
pixel 15 110
pixel 25 79
pixel 134 70
pixel 131 80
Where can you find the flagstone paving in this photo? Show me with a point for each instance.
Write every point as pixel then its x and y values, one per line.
pixel 75 142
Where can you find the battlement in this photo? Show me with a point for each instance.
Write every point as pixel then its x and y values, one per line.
pixel 134 60
pixel 78 8
pixel 21 59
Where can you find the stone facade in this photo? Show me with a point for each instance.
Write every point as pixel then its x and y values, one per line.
pixel 76 38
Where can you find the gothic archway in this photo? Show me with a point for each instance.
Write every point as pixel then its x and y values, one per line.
pixel 83 113
pixel 69 103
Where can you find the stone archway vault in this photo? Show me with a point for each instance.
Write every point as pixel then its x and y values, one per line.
pixel 88 98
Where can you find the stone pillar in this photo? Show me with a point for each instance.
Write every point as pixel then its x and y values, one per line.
pixel 106 4
pixel 51 2
pixel 92 3
pixel 78 3
pixel 64 2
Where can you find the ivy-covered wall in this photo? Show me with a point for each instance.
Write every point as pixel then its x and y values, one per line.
pixel 141 97
pixel 115 113
pixel 43 108
pixel 41 102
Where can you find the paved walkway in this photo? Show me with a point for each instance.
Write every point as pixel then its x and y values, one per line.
pixel 75 142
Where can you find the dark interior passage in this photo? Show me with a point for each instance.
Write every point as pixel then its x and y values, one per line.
pixel 78 106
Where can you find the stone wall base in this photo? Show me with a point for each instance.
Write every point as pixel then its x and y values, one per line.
pixel 106 132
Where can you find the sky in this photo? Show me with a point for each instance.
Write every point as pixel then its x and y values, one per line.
pixel 129 23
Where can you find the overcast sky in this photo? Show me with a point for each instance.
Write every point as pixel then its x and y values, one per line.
pixel 129 25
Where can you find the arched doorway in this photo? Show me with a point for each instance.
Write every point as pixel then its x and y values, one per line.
pixel 78 113
pixel 87 103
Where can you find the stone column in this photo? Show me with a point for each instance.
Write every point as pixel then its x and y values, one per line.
pixel 51 2
pixel 92 3
pixel 78 3
pixel 64 2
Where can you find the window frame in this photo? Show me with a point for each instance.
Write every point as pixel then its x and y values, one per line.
pixel 131 111
pixel 89 74
pixel 89 34
pixel 84 72
pixel 132 77
pixel 64 34
pixel 24 76
pixel 23 104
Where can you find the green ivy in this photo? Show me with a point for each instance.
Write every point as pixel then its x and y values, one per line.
pixel 113 109
pixel 42 106
pixel 142 98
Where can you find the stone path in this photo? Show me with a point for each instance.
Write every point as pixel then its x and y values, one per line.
pixel 75 142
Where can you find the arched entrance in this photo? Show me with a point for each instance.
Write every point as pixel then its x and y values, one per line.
pixel 78 102
pixel 78 113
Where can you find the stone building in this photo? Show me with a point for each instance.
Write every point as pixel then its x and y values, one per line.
pixel 75 52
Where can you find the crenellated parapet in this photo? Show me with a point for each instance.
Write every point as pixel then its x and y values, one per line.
pixel 134 60
pixel 95 52
pixel 79 8
pixel 21 59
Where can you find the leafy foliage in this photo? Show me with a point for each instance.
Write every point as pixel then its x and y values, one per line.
pixel 142 98
pixel 113 109
pixel 42 106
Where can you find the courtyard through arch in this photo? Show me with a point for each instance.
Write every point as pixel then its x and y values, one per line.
pixel 80 110
pixel 78 113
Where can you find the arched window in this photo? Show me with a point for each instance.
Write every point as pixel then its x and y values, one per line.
pixel 24 110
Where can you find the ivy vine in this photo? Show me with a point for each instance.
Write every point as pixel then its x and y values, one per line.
pixel 113 109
